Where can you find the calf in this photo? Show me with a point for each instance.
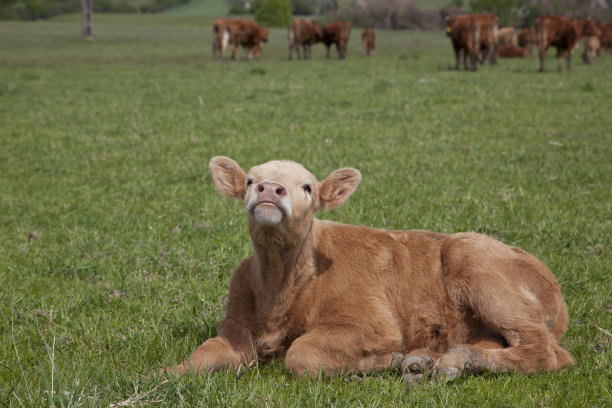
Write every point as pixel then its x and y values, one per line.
pixel 562 33
pixel 368 38
pixel 513 51
pixel 337 33
pixel 336 298
pixel 303 33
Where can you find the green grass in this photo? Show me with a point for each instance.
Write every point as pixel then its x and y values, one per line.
pixel 105 146
pixel 201 8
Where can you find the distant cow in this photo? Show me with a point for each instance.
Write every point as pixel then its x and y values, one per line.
pixel 605 37
pixel 249 35
pixel 337 33
pixel 513 51
pixel 475 35
pixel 562 33
pixel 506 36
pixel 526 37
pixel 368 37
pixel 303 33
pixel 330 298
pixel 592 44
pixel 220 36
pixel 245 33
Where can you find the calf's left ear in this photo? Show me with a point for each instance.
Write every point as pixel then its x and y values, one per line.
pixel 229 178
pixel 338 187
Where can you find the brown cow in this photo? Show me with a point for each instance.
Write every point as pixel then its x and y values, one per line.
pixel 303 33
pixel 592 44
pixel 220 36
pixel 250 36
pixel 336 298
pixel 513 51
pixel 562 33
pixel 475 35
pixel 506 36
pixel 526 37
pixel 605 37
pixel 368 38
pixel 245 33
pixel 337 33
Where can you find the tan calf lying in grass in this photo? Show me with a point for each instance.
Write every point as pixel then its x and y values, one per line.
pixel 340 298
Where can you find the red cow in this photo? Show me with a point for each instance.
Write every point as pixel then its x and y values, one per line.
pixel 475 35
pixel 605 37
pixel 368 37
pixel 245 33
pixel 337 33
pixel 303 33
pixel 562 33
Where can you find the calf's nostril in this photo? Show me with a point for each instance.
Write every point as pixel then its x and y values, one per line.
pixel 280 191
pixel 260 188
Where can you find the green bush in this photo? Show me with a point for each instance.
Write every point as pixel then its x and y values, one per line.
pixel 273 13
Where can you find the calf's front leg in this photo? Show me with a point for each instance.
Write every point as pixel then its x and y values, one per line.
pixel 334 352
pixel 232 349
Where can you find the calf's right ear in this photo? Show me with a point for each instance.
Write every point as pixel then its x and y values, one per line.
pixel 229 178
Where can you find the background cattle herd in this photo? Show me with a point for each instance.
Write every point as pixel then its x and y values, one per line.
pixel 477 36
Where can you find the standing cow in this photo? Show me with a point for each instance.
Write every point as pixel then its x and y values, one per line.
pixel 303 33
pixel 332 298
pixel 337 33
pixel 475 35
pixel 605 37
pixel 562 33
pixel 368 38
pixel 245 33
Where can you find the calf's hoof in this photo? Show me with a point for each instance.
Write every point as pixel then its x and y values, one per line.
pixel 446 374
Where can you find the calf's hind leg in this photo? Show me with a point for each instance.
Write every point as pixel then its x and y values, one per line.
pixel 514 296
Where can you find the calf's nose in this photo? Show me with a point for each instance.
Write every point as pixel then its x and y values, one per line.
pixel 274 189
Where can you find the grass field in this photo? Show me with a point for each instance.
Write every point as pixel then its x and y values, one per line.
pixel 116 249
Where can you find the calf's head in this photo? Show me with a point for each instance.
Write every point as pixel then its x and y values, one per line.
pixel 281 197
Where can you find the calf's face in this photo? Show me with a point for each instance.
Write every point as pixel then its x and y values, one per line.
pixel 281 196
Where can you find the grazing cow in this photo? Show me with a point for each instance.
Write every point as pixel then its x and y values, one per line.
pixel 562 33
pixel 475 35
pixel 513 51
pixel 592 44
pixel 303 33
pixel 337 33
pixel 336 298
pixel 245 33
pixel 506 36
pixel 368 37
pixel 605 37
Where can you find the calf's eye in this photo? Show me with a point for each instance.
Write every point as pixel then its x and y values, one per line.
pixel 307 188
pixel 249 182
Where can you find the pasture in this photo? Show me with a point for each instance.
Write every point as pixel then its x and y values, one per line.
pixel 116 249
